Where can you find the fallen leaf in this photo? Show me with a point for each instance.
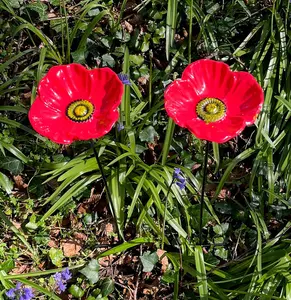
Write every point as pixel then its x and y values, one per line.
pixel 71 247
pixel 164 261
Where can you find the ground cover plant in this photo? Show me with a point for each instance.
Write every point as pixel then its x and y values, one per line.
pixel 68 234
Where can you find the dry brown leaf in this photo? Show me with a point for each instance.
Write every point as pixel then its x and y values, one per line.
pixel 52 244
pixel 20 184
pixel 164 261
pixel 80 236
pixel 71 247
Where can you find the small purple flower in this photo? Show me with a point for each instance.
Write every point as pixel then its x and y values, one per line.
pixel 120 127
pixel 27 294
pixel 181 181
pixel 11 293
pixel 124 79
pixel 181 184
pixel 20 293
pixel 66 274
pixel 61 279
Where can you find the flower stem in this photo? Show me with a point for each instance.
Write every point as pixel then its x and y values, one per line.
pixel 102 172
pixel 202 191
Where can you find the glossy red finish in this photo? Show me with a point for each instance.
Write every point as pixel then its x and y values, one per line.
pixel 65 84
pixel 239 91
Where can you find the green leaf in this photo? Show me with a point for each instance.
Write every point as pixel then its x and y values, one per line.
pixel 148 134
pixel 136 60
pixel 221 229
pixel 79 56
pixel 91 271
pixel 76 291
pixel 5 183
pixel 56 256
pixel 8 265
pixel 108 61
pixel 40 8
pixel 107 286
pixel 15 3
pixel 194 212
pixel 169 276
pixel 149 260
pixel 12 164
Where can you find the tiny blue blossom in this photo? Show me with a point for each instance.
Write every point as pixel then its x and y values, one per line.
pixel 124 78
pixel 66 274
pixel 181 185
pixel 61 279
pixel 120 127
pixel 10 293
pixel 20 293
pixel 181 181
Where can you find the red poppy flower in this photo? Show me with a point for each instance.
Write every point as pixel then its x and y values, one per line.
pixel 213 102
pixel 74 103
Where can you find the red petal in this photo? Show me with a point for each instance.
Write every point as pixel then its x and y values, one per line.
pixel 219 132
pixel 64 84
pixel 246 97
pixel 106 91
pixel 209 78
pixel 94 128
pixel 180 102
pixel 49 123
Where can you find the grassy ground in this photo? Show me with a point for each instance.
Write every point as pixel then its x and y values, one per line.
pixel 53 208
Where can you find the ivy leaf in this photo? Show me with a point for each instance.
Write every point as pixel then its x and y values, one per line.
pixel 108 60
pixel 148 134
pixel 79 56
pixel 194 212
pixel 169 276
pixel 5 183
pixel 136 60
pixel 107 286
pixel 91 271
pixel 56 256
pixel 149 260
pixel 40 8
pixel 12 164
pixel 15 3
pixel 76 291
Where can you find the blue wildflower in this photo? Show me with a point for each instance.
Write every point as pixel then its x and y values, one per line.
pixel 61 279
pixel 120 127
pixel 124 79
pixel 66 274
pixel 20 293
pixel 180 180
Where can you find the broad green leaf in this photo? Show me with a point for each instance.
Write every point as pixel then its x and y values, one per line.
pixel 148 134
pixel 56 256
pixel 149 260
pixel 12 164
pixel 40 8
pixel 76 291
pixel 5 183
pixel 91 271
pixel 107 286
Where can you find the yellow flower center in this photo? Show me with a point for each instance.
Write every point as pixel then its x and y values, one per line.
pixel 210 110
pixel 80 110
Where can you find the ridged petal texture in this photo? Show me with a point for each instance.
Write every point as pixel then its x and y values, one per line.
pixel 65 84
pixel 205 79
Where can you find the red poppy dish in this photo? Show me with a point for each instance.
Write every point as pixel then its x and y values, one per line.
pixel 74 103
pixel 212 102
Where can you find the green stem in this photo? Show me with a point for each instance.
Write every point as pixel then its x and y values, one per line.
pixel 102 172
pixel 202 191
pixel 166 207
